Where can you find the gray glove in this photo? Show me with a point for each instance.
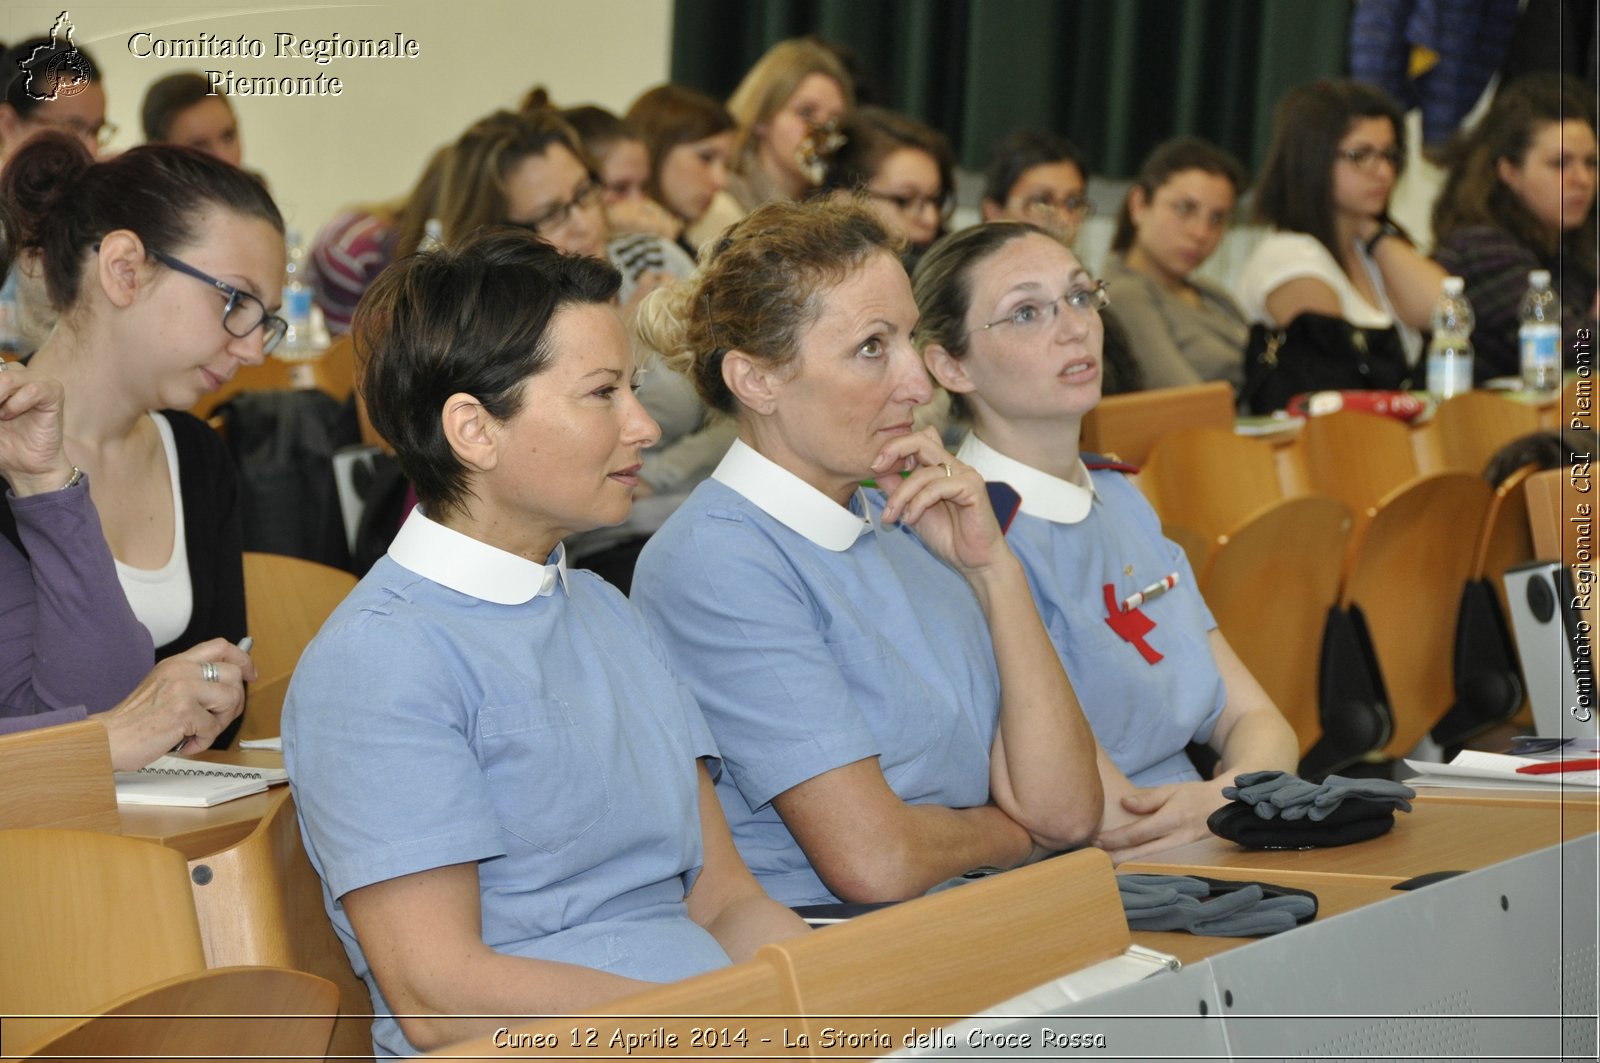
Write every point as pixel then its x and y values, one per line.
pixel 1338 789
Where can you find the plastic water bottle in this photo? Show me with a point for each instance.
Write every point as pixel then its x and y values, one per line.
pixel 432 235
pixel 1450 350
pixel 1539 334
pixel 300 341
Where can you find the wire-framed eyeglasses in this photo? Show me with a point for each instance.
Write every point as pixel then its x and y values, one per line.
pixel 1030 314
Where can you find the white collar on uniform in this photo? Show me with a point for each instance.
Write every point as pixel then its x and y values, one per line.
pixel 471 566
pixel 789 500
pixel 1048 497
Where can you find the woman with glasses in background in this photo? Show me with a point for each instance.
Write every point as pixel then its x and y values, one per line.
pixel 1182 330
pixel 166 266
pixel 902 168
pixel 1338 147
pixel 788 108
pixel 1010 325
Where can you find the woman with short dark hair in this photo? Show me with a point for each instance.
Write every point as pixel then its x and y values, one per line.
pixel 507 794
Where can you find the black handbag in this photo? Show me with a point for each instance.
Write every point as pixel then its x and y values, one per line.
pixel 1319 353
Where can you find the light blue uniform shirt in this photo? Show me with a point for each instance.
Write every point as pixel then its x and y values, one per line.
pixel 1072 542
pixel 812 639
pixel 467 705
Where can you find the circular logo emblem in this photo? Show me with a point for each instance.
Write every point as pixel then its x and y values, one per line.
pixel 65 75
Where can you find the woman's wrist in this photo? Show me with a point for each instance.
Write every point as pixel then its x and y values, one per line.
pixel 1386 228
pixel 60 479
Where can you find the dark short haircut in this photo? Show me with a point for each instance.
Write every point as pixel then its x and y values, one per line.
pixel 14 81
pixel 1015 153
pixel 1295 192
pixel 168 97
pixel 669 116
pixel 1169 159
pixel 65 201
pixel 472 318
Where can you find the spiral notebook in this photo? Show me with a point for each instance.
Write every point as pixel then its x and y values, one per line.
pixel 186 783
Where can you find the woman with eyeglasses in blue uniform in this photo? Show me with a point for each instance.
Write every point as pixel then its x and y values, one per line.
pixel 166 267
pixel 1010 325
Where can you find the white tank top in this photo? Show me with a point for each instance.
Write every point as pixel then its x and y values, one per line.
pixel 163 598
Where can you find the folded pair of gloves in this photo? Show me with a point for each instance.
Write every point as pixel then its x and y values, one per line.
pixel 1212 907
pixel 1277 810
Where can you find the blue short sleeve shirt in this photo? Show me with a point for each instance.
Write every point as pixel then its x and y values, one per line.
pixel 1072 543
pixel 814 637
pixel 465 705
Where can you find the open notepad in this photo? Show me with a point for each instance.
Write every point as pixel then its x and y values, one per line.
pixel 1473 769
pixel 193 783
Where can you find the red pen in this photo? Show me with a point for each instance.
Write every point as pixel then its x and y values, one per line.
pixel 1556 767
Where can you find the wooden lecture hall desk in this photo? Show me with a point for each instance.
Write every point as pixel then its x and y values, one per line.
pixel 198 832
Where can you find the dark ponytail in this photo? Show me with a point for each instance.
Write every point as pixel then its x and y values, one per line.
pixel 65 201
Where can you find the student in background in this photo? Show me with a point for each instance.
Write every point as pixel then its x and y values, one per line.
pixel 617 154
pixel 581 853
pixel 689 140
pixel 787 107
pixel 1010 325
pixel 1181 330
pixel 903 169
pixel 888 705
pixel 181 109
pixel 1520 196
pixel 1038 177
pixel 1337 149
pixel 166 266
pixel 357 244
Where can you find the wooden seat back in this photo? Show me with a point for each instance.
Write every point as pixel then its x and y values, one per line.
pixel 58 777
pixel 1129 425
pixel 86 918
pixel 1472 426
pixel 287 599
pixel 1356 459
pixel 271 1014
pixel 1407 569
pixel 1209 480
pixel 1270 584
pixel 955 953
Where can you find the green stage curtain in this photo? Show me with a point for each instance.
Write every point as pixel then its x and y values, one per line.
pixel 1115 76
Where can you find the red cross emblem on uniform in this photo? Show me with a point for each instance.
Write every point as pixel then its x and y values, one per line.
pixel 1131 626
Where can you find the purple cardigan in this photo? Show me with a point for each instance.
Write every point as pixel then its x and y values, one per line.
pixel 69 643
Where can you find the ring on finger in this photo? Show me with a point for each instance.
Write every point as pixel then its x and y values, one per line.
pixel 209 672
pixel 948 472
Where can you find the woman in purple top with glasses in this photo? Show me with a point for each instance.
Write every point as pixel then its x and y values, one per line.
pixel 166 267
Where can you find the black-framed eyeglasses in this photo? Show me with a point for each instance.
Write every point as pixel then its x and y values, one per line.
pixel 912 203
pixel 1366 157
pixel 555 218
pixel 243 313
pixel 1044 203
pixel 1032 313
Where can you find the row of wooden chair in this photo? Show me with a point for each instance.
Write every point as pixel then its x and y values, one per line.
pixel 102 917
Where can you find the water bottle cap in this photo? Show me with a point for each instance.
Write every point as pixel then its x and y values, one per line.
pixel 1539 278
pixel 1454 286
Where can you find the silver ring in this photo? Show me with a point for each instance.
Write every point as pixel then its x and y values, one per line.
pixel 4 365
pixel 208 672
pixel 948 472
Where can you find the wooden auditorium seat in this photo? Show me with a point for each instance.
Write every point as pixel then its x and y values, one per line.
pixel 1209 480
pixel 287 599
pixel 268 1014
pixel 955 953
pixel 1472 426
pixel 747 997
pixel 58 777
pixel 259 902
pixel 1270 584
pixel 1127 426
pixel 86 918
pixel 1408 567
pixel 1356 458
